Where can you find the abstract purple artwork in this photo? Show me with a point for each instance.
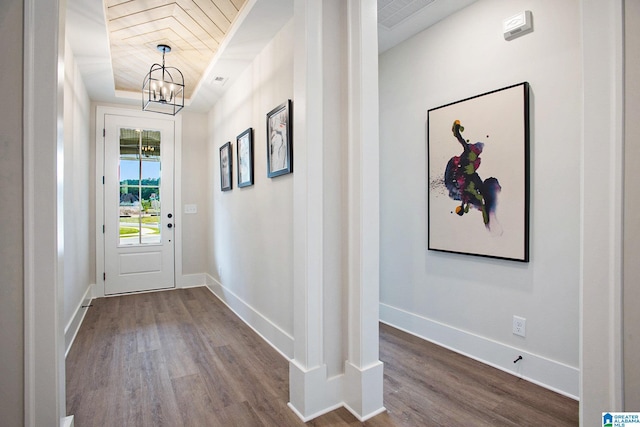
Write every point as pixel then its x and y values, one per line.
pixel 478 175
pixel 465 185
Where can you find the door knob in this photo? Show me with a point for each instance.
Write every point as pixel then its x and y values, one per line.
pixel 169 225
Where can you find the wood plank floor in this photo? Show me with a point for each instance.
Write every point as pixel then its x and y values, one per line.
pixel 182 358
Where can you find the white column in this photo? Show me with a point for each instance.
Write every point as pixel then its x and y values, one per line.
pixel 631 273
pixel 335 194
pixel 363 370
pixel 43 210
pixel 601 282
pixel 308 393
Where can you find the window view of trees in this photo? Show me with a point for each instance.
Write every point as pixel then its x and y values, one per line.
pixel 139 197
pixel 147 193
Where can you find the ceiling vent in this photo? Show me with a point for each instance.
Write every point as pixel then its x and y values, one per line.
pixel 394 12
pixel 218 80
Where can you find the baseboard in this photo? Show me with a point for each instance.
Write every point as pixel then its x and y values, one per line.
pixel 367 417
pixel 71 330
pixel 191 280
pixel 311 393
pixel 316 415
pixel 280 340
pixel 363 391
pixel 67 421
pixel 550 374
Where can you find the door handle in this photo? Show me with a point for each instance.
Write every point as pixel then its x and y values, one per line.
pixel 169 225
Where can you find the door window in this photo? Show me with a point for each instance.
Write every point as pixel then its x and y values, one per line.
pixel 140 178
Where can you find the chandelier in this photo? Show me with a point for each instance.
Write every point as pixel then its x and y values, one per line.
pixel 163 88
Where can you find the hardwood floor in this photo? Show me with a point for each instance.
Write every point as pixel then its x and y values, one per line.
pixel 182 358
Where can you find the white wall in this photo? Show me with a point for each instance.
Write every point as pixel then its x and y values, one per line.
pixel 11 226
pixel 250 229
pixel 467 302
pixel 77 207
pixel 195 191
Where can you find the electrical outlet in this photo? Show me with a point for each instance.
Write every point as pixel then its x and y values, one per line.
pixel 519 326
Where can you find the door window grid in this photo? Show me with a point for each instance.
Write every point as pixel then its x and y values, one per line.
pixel 140 177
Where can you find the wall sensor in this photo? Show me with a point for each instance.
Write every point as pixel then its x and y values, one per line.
pixel 517 25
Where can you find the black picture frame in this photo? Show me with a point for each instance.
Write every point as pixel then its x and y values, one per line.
pixel 244 154
pixel 478 175
pixel 226 166
pixel 279 140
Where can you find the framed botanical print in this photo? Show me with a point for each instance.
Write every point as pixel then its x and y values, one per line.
pixel 244 148
pixel 225 167
pixel 279 141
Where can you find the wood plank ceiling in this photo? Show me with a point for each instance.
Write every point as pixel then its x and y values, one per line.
pixel 193 28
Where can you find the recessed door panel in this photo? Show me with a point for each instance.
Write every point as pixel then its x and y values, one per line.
pixel 145 262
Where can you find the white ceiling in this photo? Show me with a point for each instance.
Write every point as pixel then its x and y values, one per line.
pixel 399 20
pixel 256 23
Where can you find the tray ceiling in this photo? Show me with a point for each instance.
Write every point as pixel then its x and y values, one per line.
pixel 114 53
pixel 193 28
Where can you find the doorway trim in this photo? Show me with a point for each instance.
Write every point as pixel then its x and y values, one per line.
pixel 99 188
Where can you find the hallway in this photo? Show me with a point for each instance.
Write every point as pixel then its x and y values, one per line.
pixel 182 358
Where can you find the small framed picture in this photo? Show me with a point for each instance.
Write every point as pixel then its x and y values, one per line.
pixel 279 141
pixel 225 167
pixel 244 148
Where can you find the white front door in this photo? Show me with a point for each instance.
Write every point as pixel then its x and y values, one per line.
pixel 138 204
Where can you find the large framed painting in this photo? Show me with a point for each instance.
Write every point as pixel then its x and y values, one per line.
pixel 244 146
pixel 478 175
pixel 225 167
pixel 279 141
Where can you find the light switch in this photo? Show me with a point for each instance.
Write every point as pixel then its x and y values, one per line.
pixel 190 209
